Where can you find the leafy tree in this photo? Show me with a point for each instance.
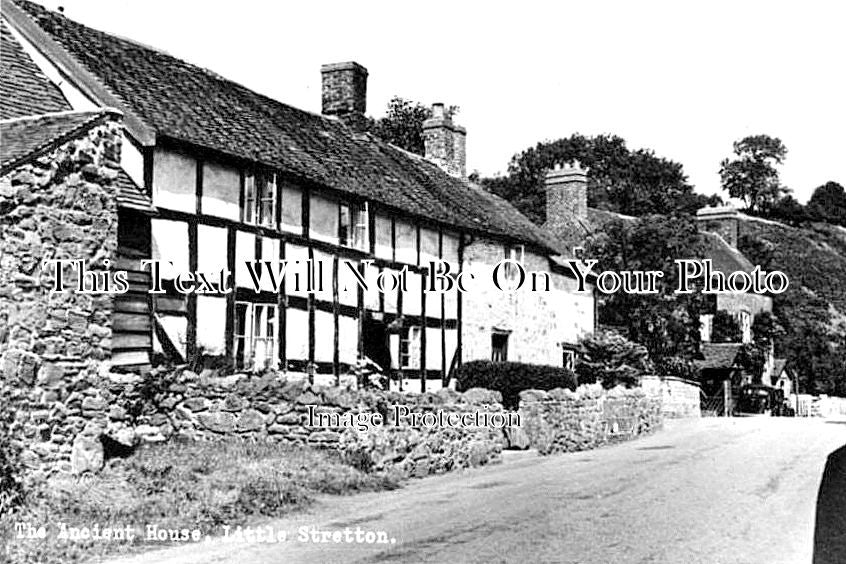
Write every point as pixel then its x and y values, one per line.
pixel 402 124
pixel 621 180
pixel 666 323
pixel 790 211
pixel 612 360
pixel 828 203
pixel 752 175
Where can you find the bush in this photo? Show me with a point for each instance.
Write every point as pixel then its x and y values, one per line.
pixel 511 378
pixel 612 360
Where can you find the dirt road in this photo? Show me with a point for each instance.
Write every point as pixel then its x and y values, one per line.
pixel 704 491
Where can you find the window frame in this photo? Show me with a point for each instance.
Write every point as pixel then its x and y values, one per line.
pixel 499 353
pixel 409 339
pixel 260 190
pixel 260 325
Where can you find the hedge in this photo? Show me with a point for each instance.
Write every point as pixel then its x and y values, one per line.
pixel 511 378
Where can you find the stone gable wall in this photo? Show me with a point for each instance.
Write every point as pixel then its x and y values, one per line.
pixel 62 205
pixel 561 420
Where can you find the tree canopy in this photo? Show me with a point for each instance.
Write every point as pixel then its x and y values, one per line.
pixel 828 203
pixel 631 182
pixel 752 175
pixel 402 124
pixel 666 323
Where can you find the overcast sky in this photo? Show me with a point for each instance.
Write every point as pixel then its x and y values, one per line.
pixel 684 79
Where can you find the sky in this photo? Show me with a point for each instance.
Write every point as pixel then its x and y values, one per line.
pixel 684 79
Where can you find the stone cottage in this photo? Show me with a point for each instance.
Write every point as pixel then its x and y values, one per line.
pixel 214 176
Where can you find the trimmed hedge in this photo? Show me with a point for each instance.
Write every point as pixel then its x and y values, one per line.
pixel 511 378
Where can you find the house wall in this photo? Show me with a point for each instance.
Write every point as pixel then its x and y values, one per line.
pixel 537 322
pixel 323 331
pixel 61 205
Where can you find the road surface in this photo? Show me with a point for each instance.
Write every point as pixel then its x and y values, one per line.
pixel 739 490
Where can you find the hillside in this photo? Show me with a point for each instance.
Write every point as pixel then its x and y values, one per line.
pixel 813 310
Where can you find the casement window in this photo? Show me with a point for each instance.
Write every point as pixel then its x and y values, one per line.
pixel 353 226
pixel 259 206
pixel 255 336
pixel 517 254
pixel 409 347
pixel 499 346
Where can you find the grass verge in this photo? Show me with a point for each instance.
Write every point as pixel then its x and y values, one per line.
pixel 177 485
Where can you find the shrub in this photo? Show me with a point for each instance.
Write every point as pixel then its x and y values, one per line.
pixel 511 378
pixel 612 360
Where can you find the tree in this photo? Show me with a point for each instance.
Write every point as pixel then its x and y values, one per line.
pixel 619 179
pixel 666 323
pixel 828 203
pixel 790 211
pixel 402 124
pixel 752 175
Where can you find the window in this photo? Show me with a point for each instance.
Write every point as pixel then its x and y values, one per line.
pixel 515 254
pixel 259 199
pixel 499 347
pixel 568 359
pixel 409 347
pixel 255 335
pixel 352 226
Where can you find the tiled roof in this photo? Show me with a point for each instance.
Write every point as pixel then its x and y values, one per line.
pixel 717 355
pixel 130 195
pixel 25 138
pixel 24 89
pixel 22 138
pixel 190 104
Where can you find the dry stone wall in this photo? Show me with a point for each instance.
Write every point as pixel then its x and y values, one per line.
pixel 561 420
pixel 71 425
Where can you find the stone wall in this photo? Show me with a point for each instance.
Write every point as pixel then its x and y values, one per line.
pixel 60 206
pixel 70 425
pixel 679 397
pixel 561 420
pixel 537 322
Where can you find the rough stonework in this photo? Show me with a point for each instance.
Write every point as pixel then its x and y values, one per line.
pixel 73 424
pixel 61 205
pixel 561 420
pixel 679 397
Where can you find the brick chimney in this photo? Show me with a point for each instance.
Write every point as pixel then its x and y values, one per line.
pixel 445 142
pixel 566 197
pixel 722 220
pixel 345 92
